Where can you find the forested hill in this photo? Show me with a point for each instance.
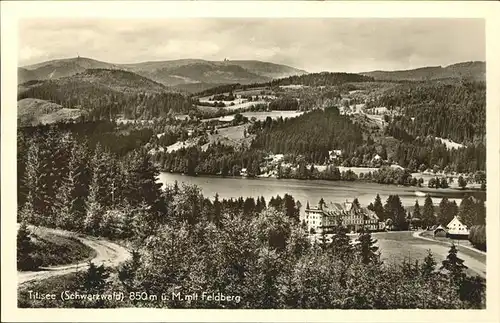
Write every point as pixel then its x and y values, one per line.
pixel 171 72
pixel 313 79
pixel 321 79
pixel 59 68
pixel 108 93
pixel 312 134
pixel 456 111
pixel 468 70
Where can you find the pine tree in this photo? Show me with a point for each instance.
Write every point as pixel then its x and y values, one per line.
pixel 62 207
pixel 25 249
pixel 95 210
pixel 454 265
pixel 53 155
pixel 128 270
pixel 446 211
pixel 428 217
pixel 395 211
pixel 217 211
pixel 33 181
pixel 68 205
pixel 416 211
pixel 95 281
pixel 467 212
pixel 99 168
pixel 367 248
pixel 27 212
pixel 141 183
pixel 263 202
pixel 378 208
pixel 341 243
pixel 429 264
pixel 129 229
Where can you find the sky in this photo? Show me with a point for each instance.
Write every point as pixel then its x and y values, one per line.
pixel 312 44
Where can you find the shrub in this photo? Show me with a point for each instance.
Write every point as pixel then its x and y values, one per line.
pixel 477 236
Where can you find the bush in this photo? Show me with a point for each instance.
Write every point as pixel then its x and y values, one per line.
pixel 477 236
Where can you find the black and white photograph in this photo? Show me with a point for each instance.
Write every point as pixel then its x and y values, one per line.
pixel 251 163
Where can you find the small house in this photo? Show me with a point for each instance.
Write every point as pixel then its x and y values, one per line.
pixel 456 229
pixel 334 154
pixel 440 231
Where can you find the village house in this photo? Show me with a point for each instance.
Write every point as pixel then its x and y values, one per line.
pixel 349 214
pixel 334 154
pixel 457 228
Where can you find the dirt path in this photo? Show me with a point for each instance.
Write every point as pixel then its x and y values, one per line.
pixel 108 253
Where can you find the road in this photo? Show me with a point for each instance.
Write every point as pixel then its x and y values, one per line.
pixel 396 246
pixel 107 253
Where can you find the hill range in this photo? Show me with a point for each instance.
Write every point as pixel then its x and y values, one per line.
pixel 154 88
pixel 471 70
pixel 169 73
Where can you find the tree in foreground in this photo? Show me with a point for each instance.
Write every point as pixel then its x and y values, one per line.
pixel 25 249
pixel 367 248
pixel 429 264
pixel 454 265
pixel 341 243
pixel 95 281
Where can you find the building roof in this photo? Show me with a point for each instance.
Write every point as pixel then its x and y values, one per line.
pixel 456 219
pixel 347 208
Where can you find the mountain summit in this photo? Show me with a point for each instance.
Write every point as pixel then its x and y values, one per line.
pixel 171 73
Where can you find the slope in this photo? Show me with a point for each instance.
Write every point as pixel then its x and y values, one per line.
pixel 60 68
pixel 31 112
pixel 471 70
pixel 107 94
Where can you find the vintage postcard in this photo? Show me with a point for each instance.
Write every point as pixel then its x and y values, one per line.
pixel 216 160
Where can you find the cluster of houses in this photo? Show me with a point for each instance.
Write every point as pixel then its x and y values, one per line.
pixel 348 214
pixel 355 217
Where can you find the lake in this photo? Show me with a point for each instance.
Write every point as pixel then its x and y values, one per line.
pixel 310 190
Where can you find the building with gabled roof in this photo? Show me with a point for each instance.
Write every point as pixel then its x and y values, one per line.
pixel 457 228
pixel 348 214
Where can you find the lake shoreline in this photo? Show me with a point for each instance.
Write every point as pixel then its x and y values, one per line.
pixel 311 191
pixel 422 189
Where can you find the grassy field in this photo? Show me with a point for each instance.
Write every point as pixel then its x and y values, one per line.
pixel 460 242
pixel 231 136
pixel 395 247
pixel 55 250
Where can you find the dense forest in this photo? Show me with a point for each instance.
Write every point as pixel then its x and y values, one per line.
pixel 215 160
pixel 312 79
pixel 456 111
pixel 106 95
pixel 321 79
pixel 314 133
